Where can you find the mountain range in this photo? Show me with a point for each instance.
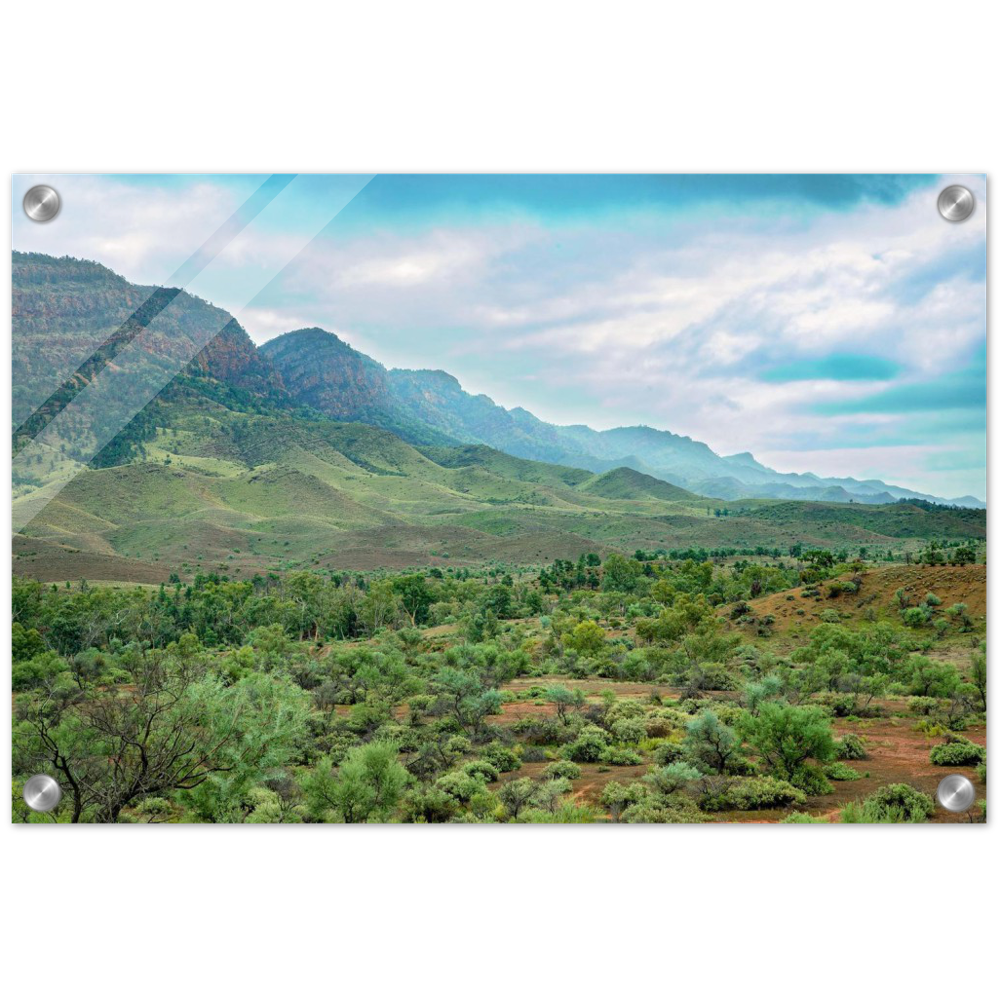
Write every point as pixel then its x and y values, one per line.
pixel 64 309
pixel 320 369
pixel 305 453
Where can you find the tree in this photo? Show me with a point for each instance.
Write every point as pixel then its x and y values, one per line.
pixel 470 700
pixel 822 558
pixel 932 678
pixel 365 788
pixel 516 795
pixel 499 600
pixel 786 736
pixel 977 675
pixel 415 596
pixel 564 699
pixel 111 747
pixel 380 606
pixel 710 744
pixel 586 637
pixel 620 574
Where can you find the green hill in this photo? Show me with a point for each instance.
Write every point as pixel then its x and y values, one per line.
pixel 627 484
pixel 222 489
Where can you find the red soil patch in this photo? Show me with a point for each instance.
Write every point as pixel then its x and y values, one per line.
pixel 953 584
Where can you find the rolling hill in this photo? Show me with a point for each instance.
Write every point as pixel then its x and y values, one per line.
pixel 626 484
pixel 223 490
pixel 307 453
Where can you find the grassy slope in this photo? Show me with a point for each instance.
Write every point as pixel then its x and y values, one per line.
pixel 244 492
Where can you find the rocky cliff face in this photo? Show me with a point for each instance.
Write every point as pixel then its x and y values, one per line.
pixel 72 318
pixel 232 357
pixel 323 372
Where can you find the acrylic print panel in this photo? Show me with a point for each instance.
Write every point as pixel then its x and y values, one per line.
pixel 498 499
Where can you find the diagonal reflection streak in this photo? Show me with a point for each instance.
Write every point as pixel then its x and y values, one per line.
pixel 148 310
pixel 145 366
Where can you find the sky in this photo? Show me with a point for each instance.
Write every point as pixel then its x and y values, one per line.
pixel 833 324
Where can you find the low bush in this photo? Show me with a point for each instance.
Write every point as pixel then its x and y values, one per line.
pixel 668 752
pixel 501 757
pixel 589 746
pixel 621 756
pixel 678 809
pixel 810 779
pixel 851 747
pixel 750 793
pixel 459 785
pixel 957 752
pixel 562 769
pixel 629 730
pixel 839 771
pixel 481 769
pixel 801 817
pixel 891 804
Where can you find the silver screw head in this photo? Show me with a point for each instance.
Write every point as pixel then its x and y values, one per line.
pixel 41 203
pixel 42 793
pixel 956 203
pixel 956 793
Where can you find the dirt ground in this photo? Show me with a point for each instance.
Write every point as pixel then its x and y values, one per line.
pixel 897 752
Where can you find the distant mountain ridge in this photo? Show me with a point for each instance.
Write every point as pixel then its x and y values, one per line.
pixel 67 313
pixel 320 369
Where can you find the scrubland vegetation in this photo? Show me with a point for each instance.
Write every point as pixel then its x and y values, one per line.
pixel 628 690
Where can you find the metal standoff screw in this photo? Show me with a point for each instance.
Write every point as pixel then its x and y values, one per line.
pixel 41 203
pixel 42 793
pixel 956 203
pixel 956 793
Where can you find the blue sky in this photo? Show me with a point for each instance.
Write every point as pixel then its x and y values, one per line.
pixel 833 324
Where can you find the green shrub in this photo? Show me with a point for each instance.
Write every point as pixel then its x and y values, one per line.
pixel 431 805
pixel 458 745
pixel 957 752
pixel 589 746
pixel 562 769
pixel 43 668
pixel 811 780
pixel 617 797
pixel 891 804
pixel 784 737
pixel 501 757
pixel 668 752
pixel 839 771
pixel 629 730
pixel 672 778
pixel 459 785
pixel 567 813
pixel 481 769
pixel 751 793
pixel 621 756
pixel 801 817
pixel 678 809
pixel 851 747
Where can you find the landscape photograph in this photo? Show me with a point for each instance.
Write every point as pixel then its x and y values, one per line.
pixel 499 499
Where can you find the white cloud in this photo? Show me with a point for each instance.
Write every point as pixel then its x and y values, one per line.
pixel 142 232
pixel 670 326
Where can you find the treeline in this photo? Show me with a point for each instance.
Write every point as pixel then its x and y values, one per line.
pixel 324 608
